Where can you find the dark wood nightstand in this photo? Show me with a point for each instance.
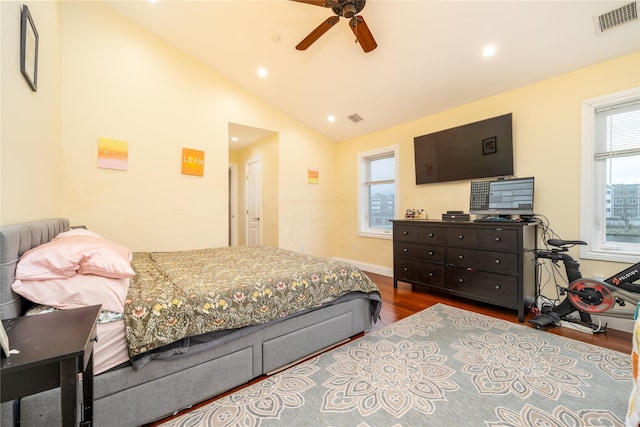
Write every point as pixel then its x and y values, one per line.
pixel 54 348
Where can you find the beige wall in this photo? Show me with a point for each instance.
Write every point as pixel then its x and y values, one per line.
pixel 547 146
pixel 30 133
pixel 120 82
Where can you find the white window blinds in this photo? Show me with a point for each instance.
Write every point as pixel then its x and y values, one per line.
pixel 617 130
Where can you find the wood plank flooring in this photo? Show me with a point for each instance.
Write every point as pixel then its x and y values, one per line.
pixel 402 302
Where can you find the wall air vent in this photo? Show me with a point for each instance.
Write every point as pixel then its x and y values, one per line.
pixel 355 118
pixel 616 17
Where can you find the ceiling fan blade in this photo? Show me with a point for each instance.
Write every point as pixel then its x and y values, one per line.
pixel 362 33
pixel 321 3
pixel 315 34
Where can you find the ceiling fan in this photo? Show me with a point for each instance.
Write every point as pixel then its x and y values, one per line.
pixel 347 9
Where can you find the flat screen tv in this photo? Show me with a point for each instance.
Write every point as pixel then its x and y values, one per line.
pixel 481 149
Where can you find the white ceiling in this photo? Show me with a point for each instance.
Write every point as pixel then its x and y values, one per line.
pixel 428 57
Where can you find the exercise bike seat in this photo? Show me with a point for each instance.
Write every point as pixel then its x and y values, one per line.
pixel 561 243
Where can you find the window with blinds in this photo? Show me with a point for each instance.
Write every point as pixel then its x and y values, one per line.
pixel 378 183
pixel 611 223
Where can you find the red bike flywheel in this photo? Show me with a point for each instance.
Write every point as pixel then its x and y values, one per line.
pixel 590 296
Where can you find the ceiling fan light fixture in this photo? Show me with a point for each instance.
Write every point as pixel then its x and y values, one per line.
pixel 349 10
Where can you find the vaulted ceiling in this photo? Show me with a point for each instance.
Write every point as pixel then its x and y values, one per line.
pixel 428 56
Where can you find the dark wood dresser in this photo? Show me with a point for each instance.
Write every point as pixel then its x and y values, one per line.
pixel 489 262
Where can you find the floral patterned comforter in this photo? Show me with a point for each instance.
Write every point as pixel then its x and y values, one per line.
pixel 181 294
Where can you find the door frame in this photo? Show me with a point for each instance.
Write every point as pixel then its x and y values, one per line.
pixel 233 204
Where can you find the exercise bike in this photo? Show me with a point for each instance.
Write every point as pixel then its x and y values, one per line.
pixel 587 296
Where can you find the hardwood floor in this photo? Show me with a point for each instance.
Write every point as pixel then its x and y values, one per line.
pixel 402 302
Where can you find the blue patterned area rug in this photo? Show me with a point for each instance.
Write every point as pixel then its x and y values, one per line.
pixel 442 366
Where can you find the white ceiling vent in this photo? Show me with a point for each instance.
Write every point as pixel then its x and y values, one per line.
pixel 355 118
pixel 616 17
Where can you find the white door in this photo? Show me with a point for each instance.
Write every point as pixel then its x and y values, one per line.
pixel 254 203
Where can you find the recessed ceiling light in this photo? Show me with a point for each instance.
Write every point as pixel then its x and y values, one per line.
pixel 234 138
pixel 489 51
pixel 262 72
pixel 331 118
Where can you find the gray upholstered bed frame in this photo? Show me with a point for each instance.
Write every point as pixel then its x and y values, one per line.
pixel 126 397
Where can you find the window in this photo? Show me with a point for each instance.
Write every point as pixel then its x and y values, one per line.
pixel 610 212
pixel 378 189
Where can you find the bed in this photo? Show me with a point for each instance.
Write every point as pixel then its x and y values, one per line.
pixel 167 339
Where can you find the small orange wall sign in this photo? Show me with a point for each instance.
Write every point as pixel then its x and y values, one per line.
pixel 313 175
pixel 192 162
pixel 113 154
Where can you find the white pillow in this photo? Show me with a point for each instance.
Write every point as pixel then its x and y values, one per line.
pixel 81 290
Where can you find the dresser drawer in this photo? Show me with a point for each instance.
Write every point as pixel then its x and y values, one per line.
pixel 476 259
pixel 419 252
pixel 465 237
pixel 482 286
pixel 499 239
pixel 432 235
pixel 424 273
pixel 405 233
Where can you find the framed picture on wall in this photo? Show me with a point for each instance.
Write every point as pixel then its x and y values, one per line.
pixel 29 49
pixel 489 145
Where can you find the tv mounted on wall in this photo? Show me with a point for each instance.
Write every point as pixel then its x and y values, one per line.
pixel 482 149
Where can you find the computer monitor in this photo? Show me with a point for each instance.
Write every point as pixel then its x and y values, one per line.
pixel 502 197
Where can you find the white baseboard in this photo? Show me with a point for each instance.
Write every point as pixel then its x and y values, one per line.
pixel 371 268
pixel 624 325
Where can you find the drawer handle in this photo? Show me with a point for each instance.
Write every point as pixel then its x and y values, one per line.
pixel 460 237
pixel 405 233
pixel 405 250
pixel 460 256
pixel 430 234
pixel 430 252
pixel 497 261
pixel 497 287
pixel 497 239
pixel 461 280
pixel 431 274
pixel 405 269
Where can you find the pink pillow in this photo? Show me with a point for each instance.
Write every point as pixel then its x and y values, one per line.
pixel 75 292
pixel 72 252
